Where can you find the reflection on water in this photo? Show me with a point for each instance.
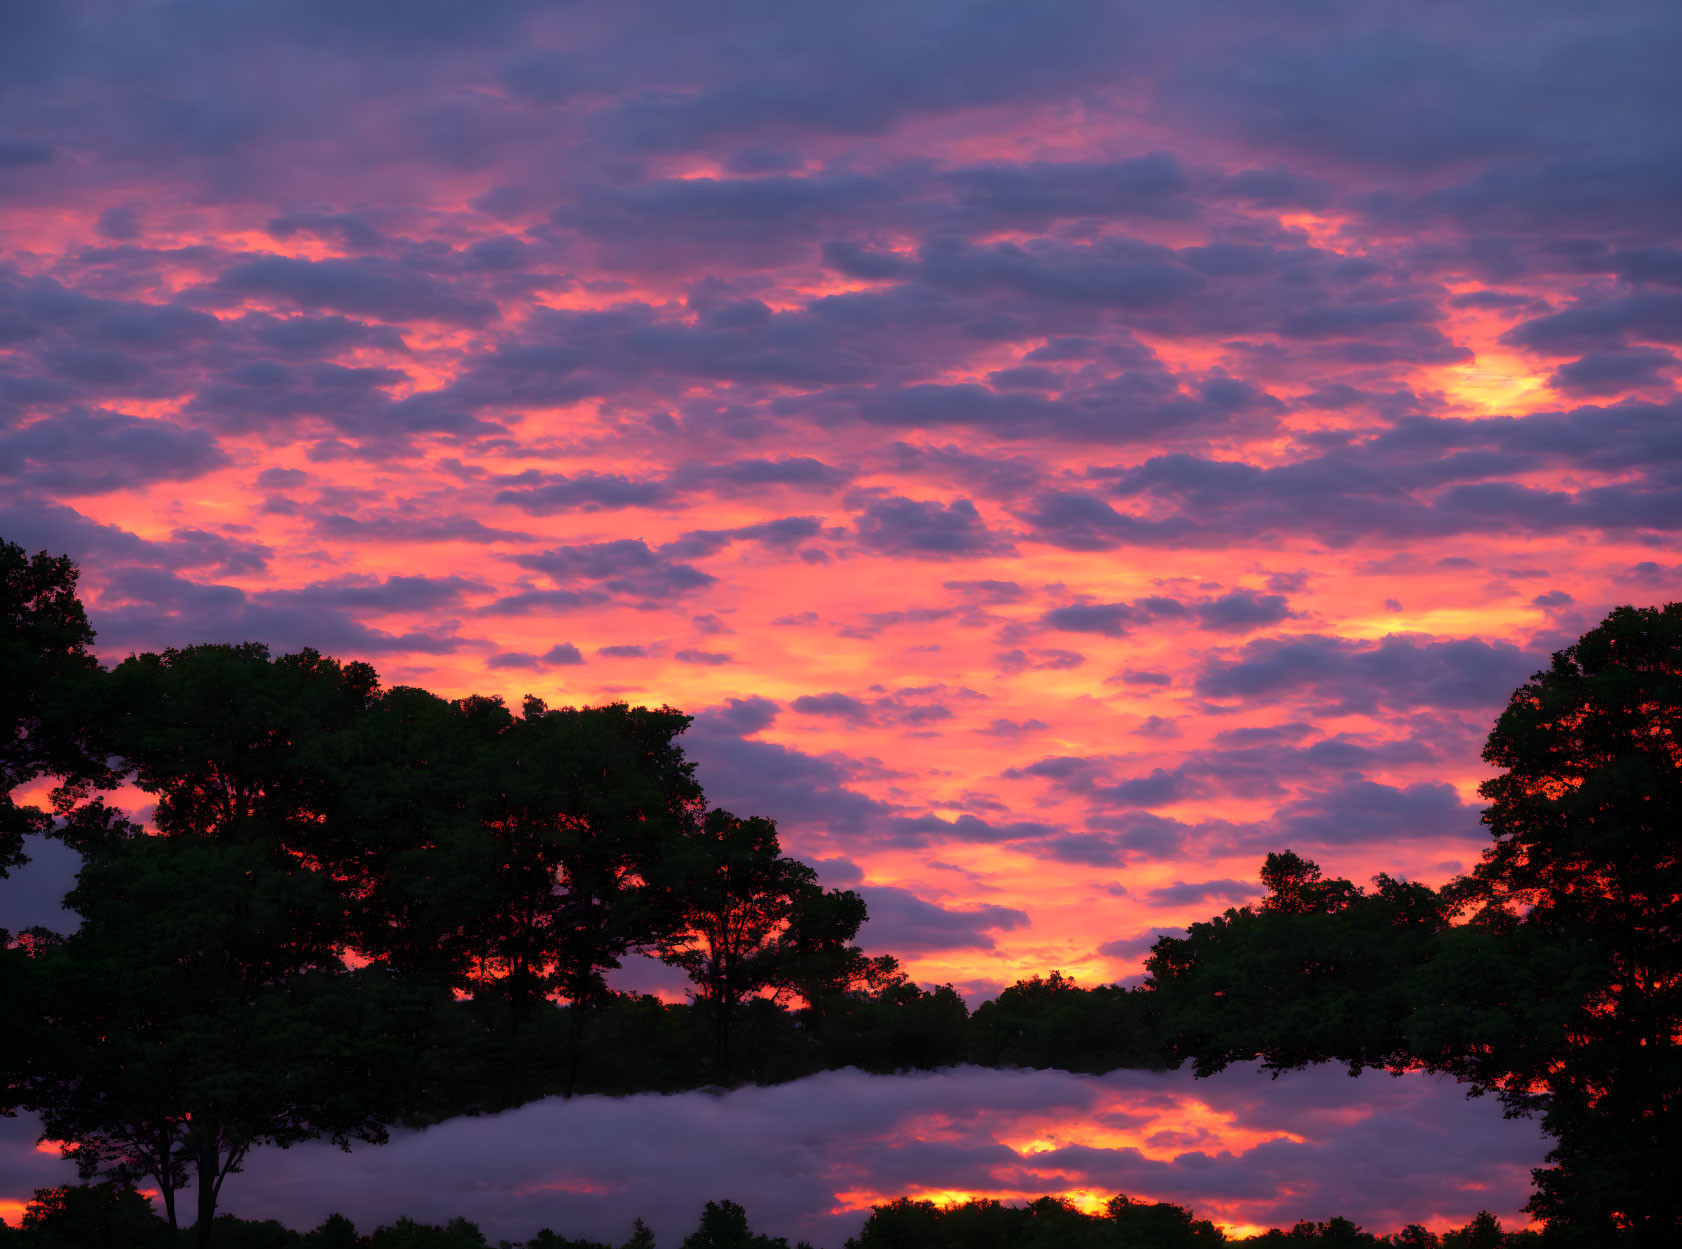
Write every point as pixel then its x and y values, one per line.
pixel 808 1159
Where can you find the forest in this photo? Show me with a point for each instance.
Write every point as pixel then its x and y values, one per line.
pixel 357 909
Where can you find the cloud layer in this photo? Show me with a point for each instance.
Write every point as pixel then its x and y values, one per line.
pixel 807 1159
pixel 1058 452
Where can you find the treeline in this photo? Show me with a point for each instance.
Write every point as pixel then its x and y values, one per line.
pixel 365 908
pixel 356 908
pixel 84 1216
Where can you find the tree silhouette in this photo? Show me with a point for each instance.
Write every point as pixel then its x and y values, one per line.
pixel 1561 992
pixel 203 1006
pixel 1586 817
pixel 747 921
pixel 45 669
pixel 584 800
pixel 503 855
pixel 724 1225
pixel 78 1216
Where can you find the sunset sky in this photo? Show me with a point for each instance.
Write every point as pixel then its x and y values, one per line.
pixel 1058 451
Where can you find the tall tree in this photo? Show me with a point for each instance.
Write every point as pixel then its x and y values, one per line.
pixel 747 922
pixel 1586 817
pixel 1560 989
pixel 45 672
pixel 585 800
pixel 506 856
pixel 204 1006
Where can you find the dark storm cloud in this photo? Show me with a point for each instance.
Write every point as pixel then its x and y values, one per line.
pixel 1240 611
pixel 1537 124
pixel 1119 273
pixel 1614 372
pixel 709 659
pixel 413 523
pixel 622 567
pixel 18 153
pixel 307 336
pixel 1422 478
pixel 901 923
pixel 1368 812
pixel 748 222
pixel 1600 324
pixel 349 229
pixel 802 792
pixel 1079 521
pixel 837 705
pixel 785 533
pixel 933 830
pixel 565 653
pixel 586 492
pixel 544 493
pixel 1129 407
pixel 82 452
pixel 367 286
pixel 926 529
pixel 1237 611
pixel 860 72
pixel 150 609
pixel 53 527
pixel 1395 672
pixel 1181 893
pixel 1037 193
pixel 743 716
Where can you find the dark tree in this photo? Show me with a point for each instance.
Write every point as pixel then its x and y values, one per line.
pixel 1561 990
pixel 724 1225
pixel 1053 1022
pixel 505 856
pixel 45 674
pixel 203 1006
pixel 78 1216
pixel 408 1234
pixel 1320 971
pixel 1586 817
pixel 748 922
pixel 1040 1224
pixel 585 801
pixel 403 839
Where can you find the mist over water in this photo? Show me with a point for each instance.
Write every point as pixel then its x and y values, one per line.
pixel 808 1158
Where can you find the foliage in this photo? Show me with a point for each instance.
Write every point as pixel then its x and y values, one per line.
pixel 407 1234
pixel 1052 1022
pixel 45 672
pixel 484 872
pixel 747 921
pixel 78 1216
pixel 1586 817
pixel 724 1225
pixel 1046 1223
pixel 1561 992
pixel 203 1006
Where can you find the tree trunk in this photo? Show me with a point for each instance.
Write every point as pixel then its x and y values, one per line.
pixel 578 1017
pixel 166 1180
pixel 168 1191
pixel 209 1156
pixel 723 1051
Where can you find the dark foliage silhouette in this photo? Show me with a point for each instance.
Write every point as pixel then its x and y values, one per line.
pixel 1561 992
pixel 358 908
pixel 59 1216
pixel 748 922
pixel 45 674
pixel 203 1006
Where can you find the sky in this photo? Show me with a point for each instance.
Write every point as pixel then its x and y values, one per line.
pixel 1058 453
